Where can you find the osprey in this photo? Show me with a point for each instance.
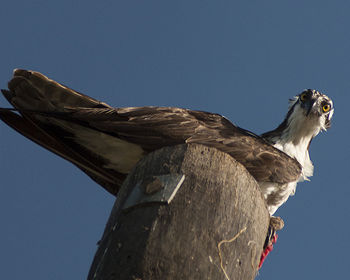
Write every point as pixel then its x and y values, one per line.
pixel 106 142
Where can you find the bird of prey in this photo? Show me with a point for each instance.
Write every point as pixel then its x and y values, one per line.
pixel 106 142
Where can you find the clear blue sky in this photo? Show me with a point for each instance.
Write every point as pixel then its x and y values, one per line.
pixel 242 59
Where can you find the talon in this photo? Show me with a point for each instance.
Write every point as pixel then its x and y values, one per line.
pixel 276 223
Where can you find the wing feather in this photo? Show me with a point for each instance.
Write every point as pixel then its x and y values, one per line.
pixel 155 127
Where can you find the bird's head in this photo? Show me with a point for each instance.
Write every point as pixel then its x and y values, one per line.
pixel 311 108
pixel 309 113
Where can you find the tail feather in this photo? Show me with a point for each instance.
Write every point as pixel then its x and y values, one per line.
pixel 33 91
pixel 47 139
pixel 30 92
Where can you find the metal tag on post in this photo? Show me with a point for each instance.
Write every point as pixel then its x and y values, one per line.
pixel 160 189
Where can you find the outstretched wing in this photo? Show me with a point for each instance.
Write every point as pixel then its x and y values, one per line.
pixel 107 142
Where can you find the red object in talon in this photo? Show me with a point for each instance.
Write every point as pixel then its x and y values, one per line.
pixel 267 250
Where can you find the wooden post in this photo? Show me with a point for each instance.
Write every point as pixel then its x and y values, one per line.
pixel 214 228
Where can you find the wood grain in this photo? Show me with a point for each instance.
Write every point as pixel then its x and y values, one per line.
pixel 214 228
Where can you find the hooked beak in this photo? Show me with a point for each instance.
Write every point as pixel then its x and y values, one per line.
pixel 309 106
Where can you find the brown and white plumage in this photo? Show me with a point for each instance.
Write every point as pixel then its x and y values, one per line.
pixel 106 142
pixel 309 113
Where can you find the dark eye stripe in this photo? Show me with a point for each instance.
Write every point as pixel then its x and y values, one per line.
pixel 328 122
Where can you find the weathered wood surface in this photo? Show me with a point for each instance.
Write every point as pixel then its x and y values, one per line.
pixel 219 200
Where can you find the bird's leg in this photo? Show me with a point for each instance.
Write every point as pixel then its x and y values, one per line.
pixel 276 223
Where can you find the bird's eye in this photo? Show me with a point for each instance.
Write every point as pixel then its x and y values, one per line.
pixel 326 108
pixel 303 97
